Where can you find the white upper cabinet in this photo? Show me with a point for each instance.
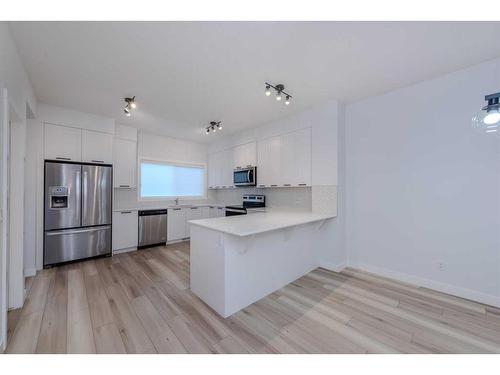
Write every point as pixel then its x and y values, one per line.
pixel 62 143
pixel 227 168
pixel 269 162
pixel 296 158
pixel 285 160
pixel 97 147
pixel 220 169
pixel 124 163
pixel 213 170
pixel 245 155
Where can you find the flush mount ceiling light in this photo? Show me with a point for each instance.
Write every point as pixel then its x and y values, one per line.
pixel 280 92
pixel 488 118
pixel 213 127
pixel 130 105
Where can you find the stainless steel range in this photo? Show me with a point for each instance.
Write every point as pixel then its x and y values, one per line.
pixel 249 202
pixel 77 221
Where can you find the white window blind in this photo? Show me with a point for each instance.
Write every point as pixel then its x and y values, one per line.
pixel 163 179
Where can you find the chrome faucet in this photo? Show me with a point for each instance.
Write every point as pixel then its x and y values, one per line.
pixel 177 201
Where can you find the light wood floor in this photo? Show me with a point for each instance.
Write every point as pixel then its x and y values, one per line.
pixel 141 303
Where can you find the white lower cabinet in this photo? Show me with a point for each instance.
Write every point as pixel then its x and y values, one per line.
pixel 217 211
pixel 125 230
pixel 193 213
pixel 176 224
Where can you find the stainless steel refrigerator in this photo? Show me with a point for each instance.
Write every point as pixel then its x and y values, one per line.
pixel 78 211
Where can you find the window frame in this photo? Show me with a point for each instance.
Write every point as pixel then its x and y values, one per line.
pixel 176 164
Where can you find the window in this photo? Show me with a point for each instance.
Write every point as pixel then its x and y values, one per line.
pixel 163 179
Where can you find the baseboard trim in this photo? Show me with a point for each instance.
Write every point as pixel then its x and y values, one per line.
pixel 454 290
pixel 335 267
pixel 28 272
pixel 127 250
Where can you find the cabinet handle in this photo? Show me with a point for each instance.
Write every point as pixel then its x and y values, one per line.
pixel 126 212
pixel 302 184
pixel 61 158
pixel 194 208
pixel 97 161
pixel 274 185
pixel 125 186
pixel 249 166
pixel 287 184
pixel 176 209
pixel 262 185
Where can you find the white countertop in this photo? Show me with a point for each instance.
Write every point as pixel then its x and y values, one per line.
pixel 259 222
pixel 166 207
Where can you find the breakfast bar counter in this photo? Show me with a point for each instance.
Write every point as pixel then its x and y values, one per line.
pixel 235 261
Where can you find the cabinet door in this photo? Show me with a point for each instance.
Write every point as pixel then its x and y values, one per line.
pixel 125 230
pixel 213 212
pixel 244 155
pixel 295 150
pixel 213 170
pixel 205 212
pixel 176 224
pixel 62 143
pixel 97 147
pixel 226 164
pixel 124 163
pixel 269 162
pixel 221 211
pixel 193 213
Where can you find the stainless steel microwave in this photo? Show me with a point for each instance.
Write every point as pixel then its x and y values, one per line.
pixel 245 176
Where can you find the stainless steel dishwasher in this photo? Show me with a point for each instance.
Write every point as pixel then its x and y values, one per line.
pixel 152 228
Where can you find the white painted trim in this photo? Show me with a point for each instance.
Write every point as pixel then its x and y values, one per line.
pixel 335 267
pixel 4 139
pixel 431 284
pixel 126 250
pixel 29 272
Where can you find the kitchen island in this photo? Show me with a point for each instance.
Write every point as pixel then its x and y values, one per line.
pixel 235 261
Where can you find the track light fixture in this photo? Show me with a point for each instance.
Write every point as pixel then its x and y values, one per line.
pixel 213 127
pixel 130 105
pixel 280 92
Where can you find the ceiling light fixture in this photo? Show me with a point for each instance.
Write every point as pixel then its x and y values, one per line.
pixel 488 118
pixel 131 104
pixel 213 127
pixel 280 91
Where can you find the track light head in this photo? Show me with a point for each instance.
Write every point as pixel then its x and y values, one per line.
pixel 130 105
pixel 268 90
pixel 287 100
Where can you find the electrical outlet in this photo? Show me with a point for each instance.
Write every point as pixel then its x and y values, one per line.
pixel 440 266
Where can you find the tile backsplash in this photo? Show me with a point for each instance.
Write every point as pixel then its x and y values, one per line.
pixel 293 199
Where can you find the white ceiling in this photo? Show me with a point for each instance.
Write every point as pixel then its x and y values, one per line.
pixel 185 74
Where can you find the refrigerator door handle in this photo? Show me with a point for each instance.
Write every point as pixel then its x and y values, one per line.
pixel 84 195
pixel 76 231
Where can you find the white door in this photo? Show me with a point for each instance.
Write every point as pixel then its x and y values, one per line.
pixel 97 147
pixel 62 143
pixel 124 163
pixel 176 224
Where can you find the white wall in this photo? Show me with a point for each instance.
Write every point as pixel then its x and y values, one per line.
pixel 156 147
pixel 325 120
pixel 19 101
pixel 423 188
